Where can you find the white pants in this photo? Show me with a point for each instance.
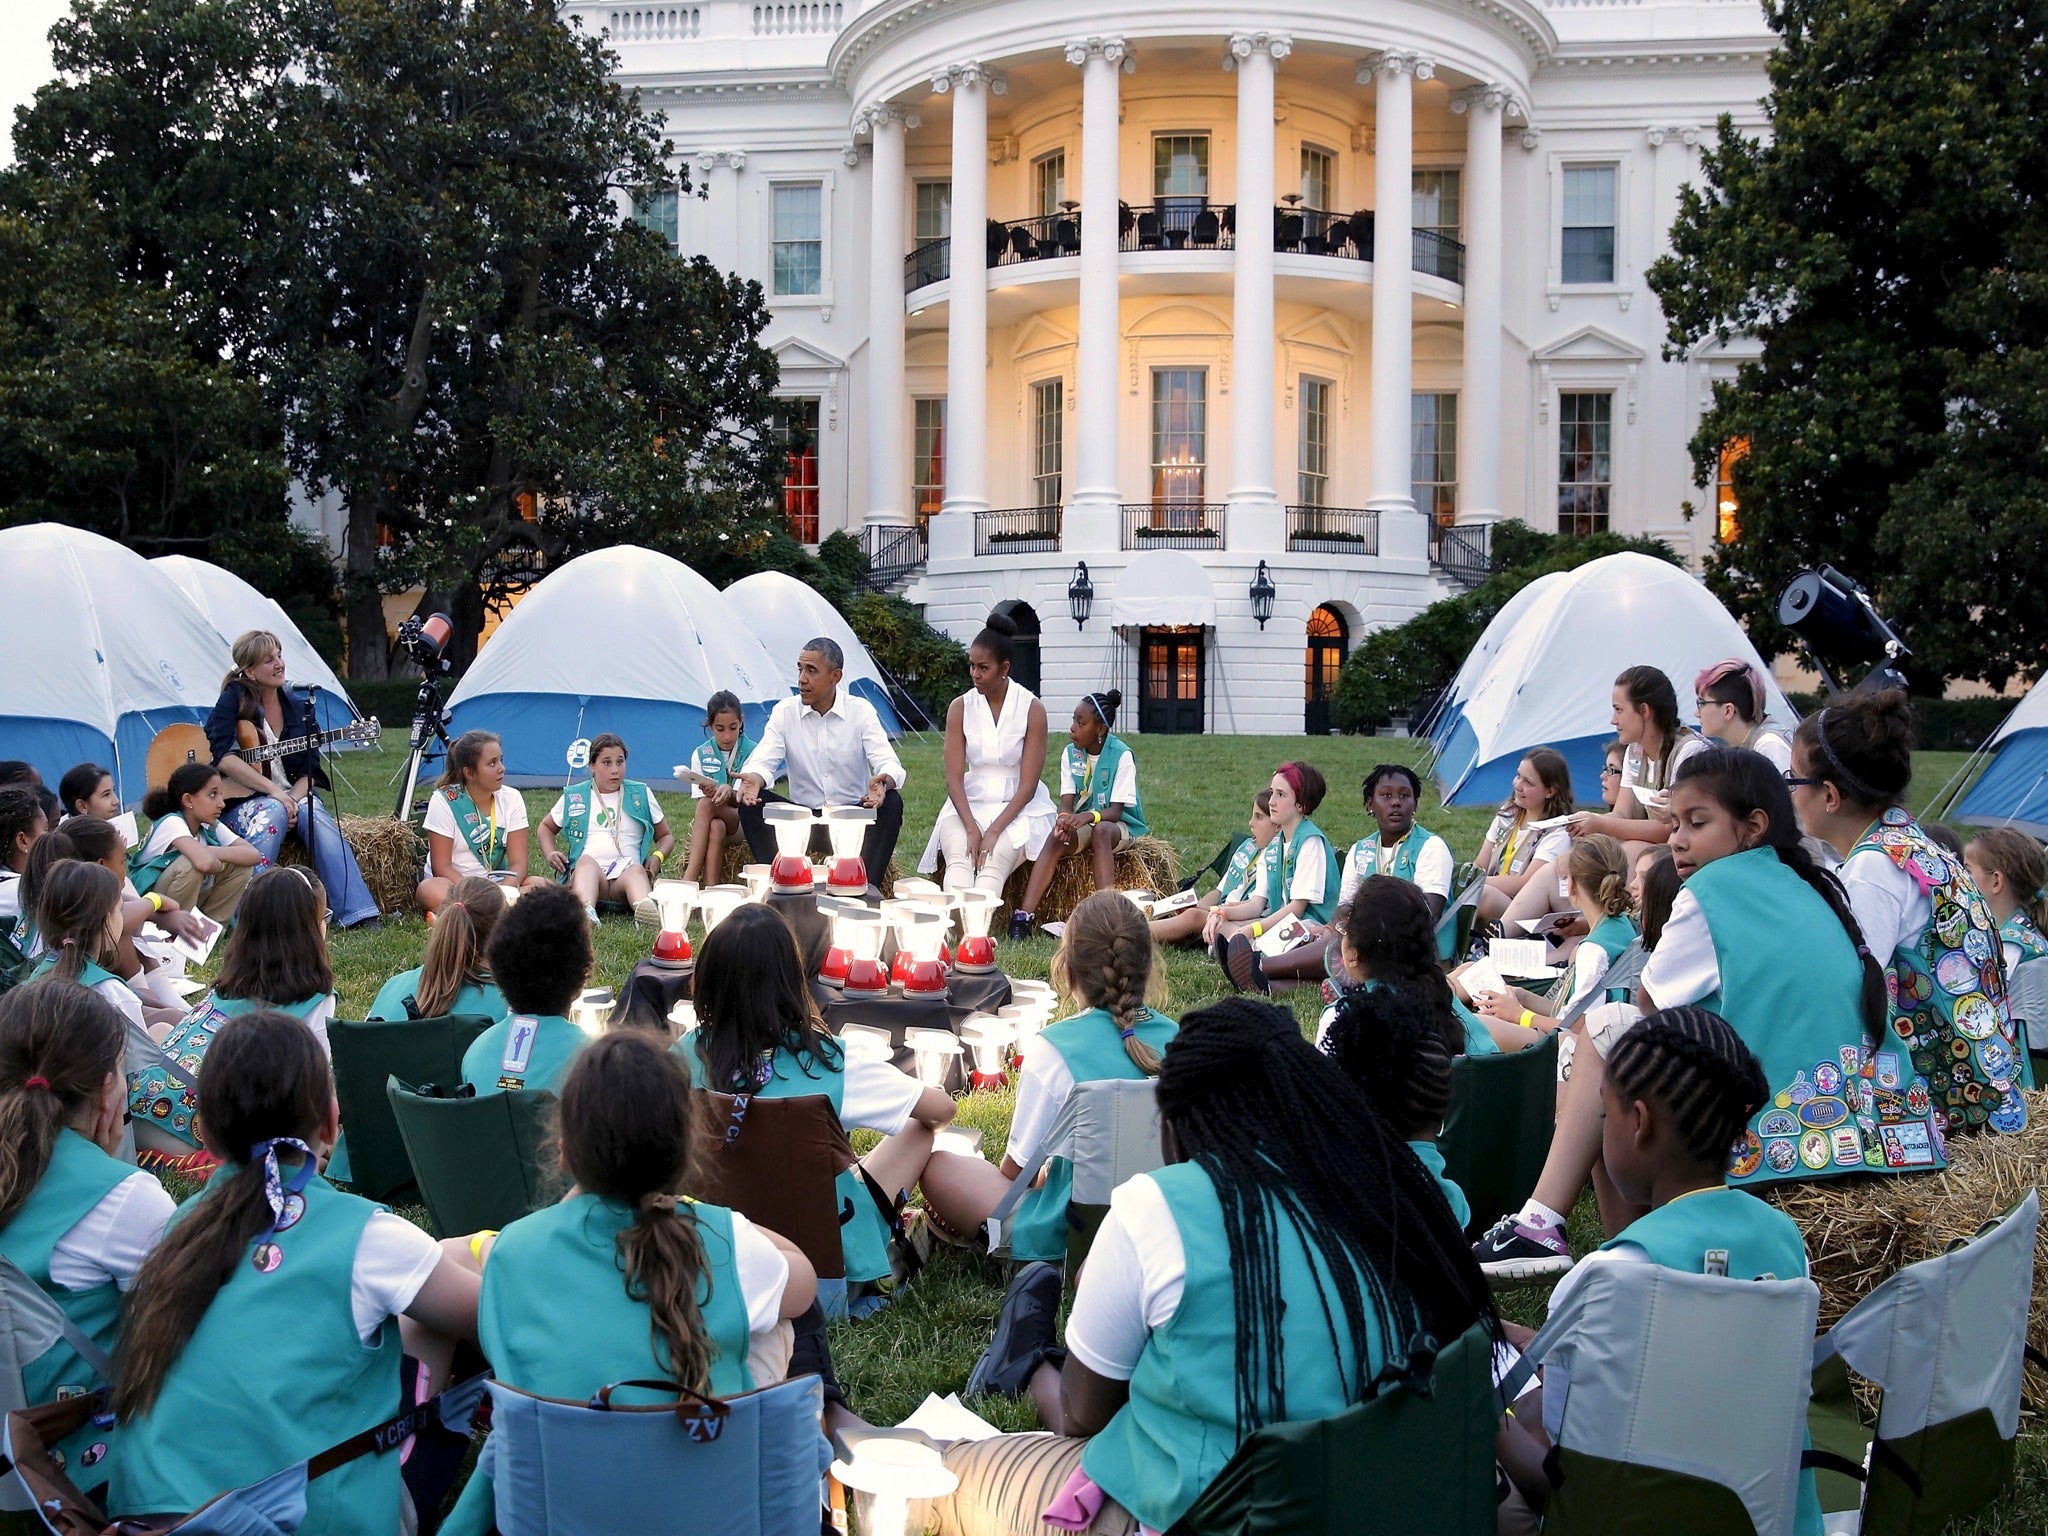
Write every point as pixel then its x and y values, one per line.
pixel 997 863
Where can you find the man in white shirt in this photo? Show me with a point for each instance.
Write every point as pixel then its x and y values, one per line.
pixel 835 752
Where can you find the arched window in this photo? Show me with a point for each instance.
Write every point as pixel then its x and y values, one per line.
pixel 1323 662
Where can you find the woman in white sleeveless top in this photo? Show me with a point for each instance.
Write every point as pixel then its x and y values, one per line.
pixel 997 812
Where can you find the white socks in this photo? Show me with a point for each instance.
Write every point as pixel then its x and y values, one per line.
pixel 1537 1214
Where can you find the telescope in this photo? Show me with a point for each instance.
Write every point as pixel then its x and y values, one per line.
pixel 1841 628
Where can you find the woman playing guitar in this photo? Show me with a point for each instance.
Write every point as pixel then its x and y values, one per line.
pixel 275 800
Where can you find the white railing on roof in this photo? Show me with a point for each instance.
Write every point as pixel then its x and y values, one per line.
pixel 814 16
pixel 654 24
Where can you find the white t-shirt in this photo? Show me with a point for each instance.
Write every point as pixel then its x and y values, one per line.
pixel 1589 967
pixel 877 1097
pixel 607 820
pixel 166 830
pixel 1434 868
pixel 1123 790
pixel 123 997
pixel 393 1260
pixel 1635 771
pixel 1531 849
pixel 10 894
pixel 511 808
pixel 1890 907
pixel 1043 1083
pixel 1683 968
pixel 1311 873
pixel 1775 745
pixel 1131 1283
pixel 110 1241
pixel 763 1272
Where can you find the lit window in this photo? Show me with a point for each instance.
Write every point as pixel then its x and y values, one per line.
pixel 1435 203
pixel 1727 505
pixel 1588 251
pixel 797 421
pixel 1049 183
pixel 799 239
pixel 1433 456
pixel 1318 178
pixel 1180 439
pixel 928 466
pixel 934 210
pixel 1585 462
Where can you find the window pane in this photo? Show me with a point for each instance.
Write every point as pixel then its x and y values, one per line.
pixel 1318 178
pixel 1589 255
pixel 1436 202
pixel 1050 183
pixel 799 247
pixel 657 211
pixel 797 213
pixel 1180 165
pixel 1179 435
pixel 1585 426
pixel 1433 455
pixel 797 420
pixel 928 467
pixel 934 210
pixel 1588 194
pixel 1314 473
pixel 1586 254
pixel 1048 400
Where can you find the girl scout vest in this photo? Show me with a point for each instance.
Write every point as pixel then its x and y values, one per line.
pixel 636 803
pixel 714 764
pixel 1095 779
pixel 79 1177
pixel 1168 1442
pixel 1431 1158
pixel 521 1050
pixel 485 838
pixel 275 1373
pixel 1790 984
pixel 1370 856
pixel 1280 871
pixel 143 873
pixel 863 1230
pixel 555 1318
pixel 1479 1040
pixel 1947 988
pixel 92 975
pixel 1613 934
pixel 1237 878
pixel 153 1096
pixel 480 999
pixel 1094 1052
pixel 2020 932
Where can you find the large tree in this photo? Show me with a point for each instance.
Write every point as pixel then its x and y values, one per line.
pixel 1885 240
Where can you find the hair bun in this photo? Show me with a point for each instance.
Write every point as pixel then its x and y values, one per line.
pixel 1002 624
pixel 1891 717
pixel 1114 699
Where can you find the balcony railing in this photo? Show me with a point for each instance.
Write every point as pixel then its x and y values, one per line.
pixel 1176 224
pixel 1333 530
pixel 894 554
pixel 795 20
pixel 1172 525
pixel 1018 531
pixel 1011 241
pixel 1439 256
pixel 931 262
pixel 1465 555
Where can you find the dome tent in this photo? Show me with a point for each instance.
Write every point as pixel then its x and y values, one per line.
pixel 2013 789
pixel 784 613
pixel 622 640
pixel 234 608
pixel 1548 679
pixel 104 651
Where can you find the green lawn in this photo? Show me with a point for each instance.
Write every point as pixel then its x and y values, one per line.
pixel 1197 791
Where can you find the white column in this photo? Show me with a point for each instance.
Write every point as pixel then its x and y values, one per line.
pixel 967 308
pixel 1091 516
pixel 1402 534
pixel 1255 521
pixel 722 167
pixel 1479 400
pixel 888 441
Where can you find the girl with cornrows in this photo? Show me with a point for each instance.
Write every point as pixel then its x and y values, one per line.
pixel 1390 1040
pixel 1289 1248
pixel 74 1218
pixel 1921 913
pixel 1389 940
pixel 1100 806
pixel 1105 963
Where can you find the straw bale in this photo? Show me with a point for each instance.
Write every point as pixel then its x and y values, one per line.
pixel 1142 864
pixel 391 855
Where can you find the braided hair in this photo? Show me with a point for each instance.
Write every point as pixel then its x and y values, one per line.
pixel 1691 1064
pixel 1744 782
pixel 1105 960
pixel 1393 938
pixel 1392 1043
pixel 1296 1153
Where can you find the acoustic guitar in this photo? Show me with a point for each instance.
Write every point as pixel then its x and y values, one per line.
pixel 177 745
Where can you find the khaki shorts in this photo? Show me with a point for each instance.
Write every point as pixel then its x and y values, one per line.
pixel 1117 833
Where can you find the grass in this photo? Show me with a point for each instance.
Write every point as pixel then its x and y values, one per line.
pixel 1197 792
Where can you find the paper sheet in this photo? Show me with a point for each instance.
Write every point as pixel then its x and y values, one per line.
pixel 1287 934
pixel 1179 901
pixel 1520 957
pixel 1549 922
pixel 946 1418
pixel 1482 976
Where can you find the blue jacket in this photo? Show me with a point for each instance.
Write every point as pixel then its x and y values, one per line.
pixel 299 720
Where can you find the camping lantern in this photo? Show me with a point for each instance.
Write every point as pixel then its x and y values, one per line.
pixel 863 933
pixel 867 1042
pixel 683 1017
pixel 847 826
pixel 889 1473
pixel 935 1050
pixel 929 897
pixel 719 902
pixel 896 910
pixel 921 934
pixel 755 878
pixel 832 966
pixel 591 1011
pixel 674 899
pixel 976 953
pixel 791 870
pixel 988 1038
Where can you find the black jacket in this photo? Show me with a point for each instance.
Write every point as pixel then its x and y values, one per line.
pixel 298 721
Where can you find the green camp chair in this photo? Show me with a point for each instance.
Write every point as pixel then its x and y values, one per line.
pixel 368 1053
pixel 477 1160
pixel 1405 1463
pixel 1454 927
pixel 1215 866
pixel 1498 1132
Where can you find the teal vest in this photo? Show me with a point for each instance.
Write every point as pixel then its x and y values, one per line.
pixel 79 1177
pixel 1095 778
pixel 1238 878
pixel 1790 984
pixel 1478 1041
pixel 143 873
pixel 713 764
pixel 1280 871
pixel 1947 987
pixel 522 1051
pixel 1369 856
pixel 1168 1442
pixel 1433 1160
pixel 2020 932
pixel 274 1374
pixel 863 1229
pixel 92 975
pixel 636 803
pixel 486 839
pixel 1094 1052
pixel 556 1319
pixel 482 999
pixel 1613 934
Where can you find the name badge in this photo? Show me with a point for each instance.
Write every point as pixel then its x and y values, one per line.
pixel 523 1031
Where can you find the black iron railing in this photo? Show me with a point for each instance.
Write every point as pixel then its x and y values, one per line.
pixel 1333 530
pixel 892 553
pixel 1017 531
pixel 931 262
pixel 1320 232
pixel 1011 241
pixel 1176 224
pixel 1463 554
pixel 1172 525
pixel 1439 256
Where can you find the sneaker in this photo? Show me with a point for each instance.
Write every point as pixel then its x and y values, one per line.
pixel 1509 1250
pixel 1242 964
pixel 1024 1332
pixel 1020 925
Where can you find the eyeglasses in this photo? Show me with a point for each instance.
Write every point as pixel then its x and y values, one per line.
pixel 1793 781
pixel 1610 772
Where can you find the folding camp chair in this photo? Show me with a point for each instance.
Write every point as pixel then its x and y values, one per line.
pixel 1454 926
pixel 1946 1341
pixel 749 1465
pixel 366 1055
pixel 477 1160
pixel 1498 1131
pixel 1657 1424
pixel 1215 866
pixel 1109 1131
pixel 1418 1457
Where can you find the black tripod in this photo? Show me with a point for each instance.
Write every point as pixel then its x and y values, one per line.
pixel 429 740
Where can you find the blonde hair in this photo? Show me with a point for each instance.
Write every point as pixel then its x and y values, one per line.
pixel 1106 961
pixel 2021 860
pixel 459 944
pixel 1598 865
pixel 252 648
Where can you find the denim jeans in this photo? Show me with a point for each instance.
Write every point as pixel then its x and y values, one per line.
pixel 260 820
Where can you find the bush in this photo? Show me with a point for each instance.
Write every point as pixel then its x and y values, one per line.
pixel 1944 725
pixel 931 667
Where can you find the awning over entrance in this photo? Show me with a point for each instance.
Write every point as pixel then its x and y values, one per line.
pixel 1163 588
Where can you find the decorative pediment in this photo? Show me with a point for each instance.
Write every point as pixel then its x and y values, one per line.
pixel 792 352
pixel 1182 318
pixel 1319 330
pixel 1038 334
pixel 1589 344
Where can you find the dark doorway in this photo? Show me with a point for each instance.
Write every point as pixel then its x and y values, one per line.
pixel 1025 668
pixel 1172 691
pixel 1324 662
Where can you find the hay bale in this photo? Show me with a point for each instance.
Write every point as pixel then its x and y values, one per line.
pixel 1142 864
pixel 391 855
pixel 1862 1229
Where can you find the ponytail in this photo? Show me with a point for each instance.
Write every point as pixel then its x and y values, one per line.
pixel 58 1044
pixel 72 912
pixel 662 1255
pixel 458 945
pixel 1105 960
pixel 168 798
pixel 1598 865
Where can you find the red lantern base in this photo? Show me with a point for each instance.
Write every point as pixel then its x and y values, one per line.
pixel 868 978
pixel 977 955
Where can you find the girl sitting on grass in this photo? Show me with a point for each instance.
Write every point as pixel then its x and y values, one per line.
pixel 1301 881
pixel 191 855
pixel 79 917
pixel 1599 890
pixel 475 822
pixel 716 818
pixel 615 836
pixel 1239 878
pixel 455 975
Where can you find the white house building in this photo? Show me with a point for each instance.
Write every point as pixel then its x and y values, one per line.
pixel 1271 314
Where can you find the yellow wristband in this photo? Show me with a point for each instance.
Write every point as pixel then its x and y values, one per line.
pixel 1527 1020
pixel 1095 815
pixel 156 902
pixel 476 1243
pixel 1258 930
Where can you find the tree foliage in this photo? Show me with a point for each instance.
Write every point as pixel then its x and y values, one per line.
pixel 1887 242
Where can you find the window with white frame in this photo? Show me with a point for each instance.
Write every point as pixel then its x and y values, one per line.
pixel 1312 473
pixel 1049 183
pixel 934 211
pixel 1180 437
pixel 928 458
pixel 1435 199
pixel 1318 178
pixel 1587 251
pixel 1585 461
pixel 655 208
pixel 799 238
pixel 1433 456
pixel 1048 441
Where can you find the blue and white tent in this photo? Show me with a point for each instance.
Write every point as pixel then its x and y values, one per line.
pixel 2013 789
pixel 234 608
pixel 785 614
pixel 103 651
pixel 1543 673
pixel 622 640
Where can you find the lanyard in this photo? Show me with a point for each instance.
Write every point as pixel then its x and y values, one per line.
pixel 1507 858
pixel 1381 852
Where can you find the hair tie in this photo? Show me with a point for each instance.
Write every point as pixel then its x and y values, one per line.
pixel 277 1193
pixel 38 1081
pixel 1863 950
pixel 2041 893
pixel 1847 780
pixel 67 942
